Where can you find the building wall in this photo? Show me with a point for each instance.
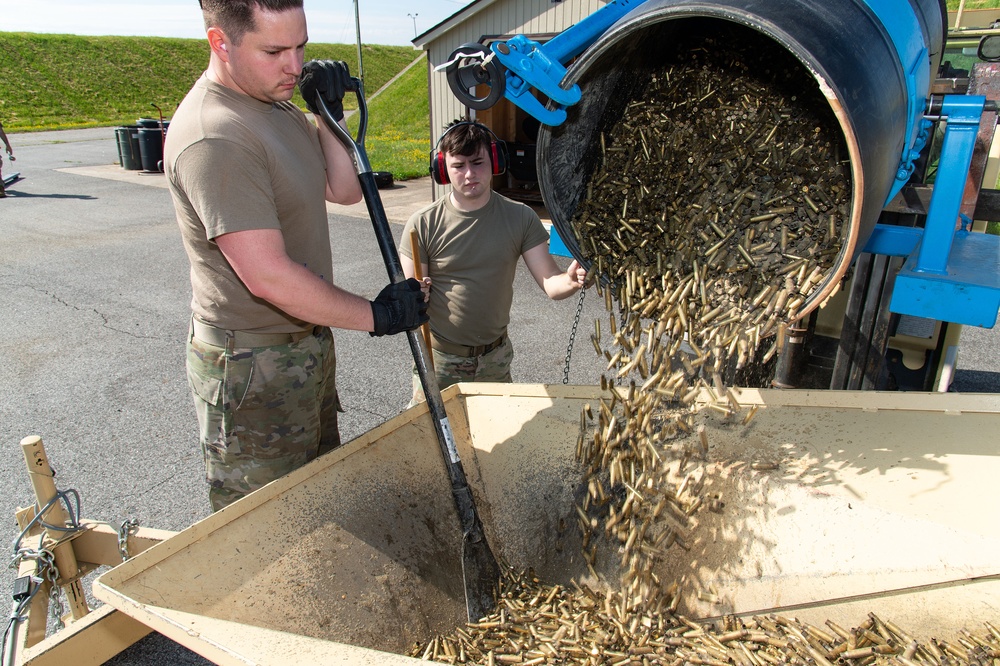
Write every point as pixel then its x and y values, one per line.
pixel 486 21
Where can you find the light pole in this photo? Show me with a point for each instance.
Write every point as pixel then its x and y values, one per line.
pixel 414 17
pixel 357 31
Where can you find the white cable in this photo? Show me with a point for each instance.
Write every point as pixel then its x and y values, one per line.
pixel 461 56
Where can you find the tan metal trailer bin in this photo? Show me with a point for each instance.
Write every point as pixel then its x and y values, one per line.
pixel 869 502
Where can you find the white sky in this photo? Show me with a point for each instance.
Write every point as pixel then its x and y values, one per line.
pixel 330 21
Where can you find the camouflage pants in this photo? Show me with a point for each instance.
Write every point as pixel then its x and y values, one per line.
pixel 262 411
pixel 493 366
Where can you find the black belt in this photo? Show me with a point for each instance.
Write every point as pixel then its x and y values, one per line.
pixel 220 337
pixel 463 350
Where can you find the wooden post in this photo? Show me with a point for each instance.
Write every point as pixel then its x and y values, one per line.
pixel 418 274
pixel 43 482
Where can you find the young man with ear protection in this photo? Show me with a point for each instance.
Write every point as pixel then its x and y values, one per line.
pixel 470 241
pixel 250 177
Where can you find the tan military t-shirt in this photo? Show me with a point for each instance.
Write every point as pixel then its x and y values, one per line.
pixel 234 163
pixel 473 257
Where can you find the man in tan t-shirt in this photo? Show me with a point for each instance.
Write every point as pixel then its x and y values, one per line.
pixel 470 241
pixel 250 176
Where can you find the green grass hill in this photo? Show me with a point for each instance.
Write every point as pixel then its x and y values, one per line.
pixel 68 81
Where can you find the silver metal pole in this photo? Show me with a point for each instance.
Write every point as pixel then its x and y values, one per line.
pixel 357 30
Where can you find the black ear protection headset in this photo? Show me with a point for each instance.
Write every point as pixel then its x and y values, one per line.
pixel 497 150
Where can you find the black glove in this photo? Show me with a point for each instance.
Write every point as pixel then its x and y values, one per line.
pixel 329 78
pixel 399 307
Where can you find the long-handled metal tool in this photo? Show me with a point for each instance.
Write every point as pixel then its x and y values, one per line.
pixel 480 569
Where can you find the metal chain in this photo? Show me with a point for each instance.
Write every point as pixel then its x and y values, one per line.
pixel 45 562
pixel 128 526
pixel 43 556
pixel 55 597
pixel 572 335
pixel 45 568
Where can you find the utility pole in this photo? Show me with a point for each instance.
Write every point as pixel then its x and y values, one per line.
pixel 414 17
pixel 357 30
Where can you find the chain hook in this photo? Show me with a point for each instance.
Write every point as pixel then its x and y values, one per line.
pixel 128 527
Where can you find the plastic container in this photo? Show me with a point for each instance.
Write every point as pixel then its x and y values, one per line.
pixel 151 147
pixel 127 138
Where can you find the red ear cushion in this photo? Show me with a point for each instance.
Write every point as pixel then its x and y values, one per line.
pixel 498 154
pixel 439 169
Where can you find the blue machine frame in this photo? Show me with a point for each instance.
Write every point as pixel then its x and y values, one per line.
pixel 950 274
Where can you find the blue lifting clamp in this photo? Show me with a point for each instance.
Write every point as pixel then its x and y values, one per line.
pixel 511 68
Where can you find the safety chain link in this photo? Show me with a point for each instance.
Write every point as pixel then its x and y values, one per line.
pixel 572 335
pixel 43 557
pixel 55 597
pixel 45 569
pixel 128 527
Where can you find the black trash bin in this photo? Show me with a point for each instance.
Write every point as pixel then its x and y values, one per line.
pixel 133 137
pixel 151 146
pixel 127 138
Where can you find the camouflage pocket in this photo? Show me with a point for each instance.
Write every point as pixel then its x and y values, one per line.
pixel 218 382
pixel 208 389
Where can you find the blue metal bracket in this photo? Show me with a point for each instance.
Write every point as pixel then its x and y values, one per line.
pixel 907 161
pixel 963 114
pixel 530 64
pixel 893 241
pixel 968 293
pixel 950 274
pixel 534 68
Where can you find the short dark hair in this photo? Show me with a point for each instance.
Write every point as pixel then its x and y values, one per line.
pixel 463 137
pixel 235 17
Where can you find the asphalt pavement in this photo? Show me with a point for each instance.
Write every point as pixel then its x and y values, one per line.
pixel 94 296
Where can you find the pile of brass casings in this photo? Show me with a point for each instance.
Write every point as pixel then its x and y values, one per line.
pixel 717 201
pixel 541 624
pixel 714 215
pixel 715 210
